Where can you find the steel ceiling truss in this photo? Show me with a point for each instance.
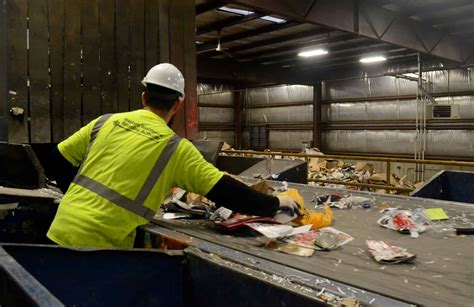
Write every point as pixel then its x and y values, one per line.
pixel 363 18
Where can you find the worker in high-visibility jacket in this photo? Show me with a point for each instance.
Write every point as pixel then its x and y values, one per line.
pixel 128 163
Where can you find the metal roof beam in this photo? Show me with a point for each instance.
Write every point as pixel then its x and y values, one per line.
pixel 360 17
pixel 296 47
pixel 246 34
pixel 354 58
pixel 208 6
pixel 275 40
pixel 361 47
pixel 228 22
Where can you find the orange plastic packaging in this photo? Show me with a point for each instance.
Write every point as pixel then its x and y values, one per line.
pixel 317 219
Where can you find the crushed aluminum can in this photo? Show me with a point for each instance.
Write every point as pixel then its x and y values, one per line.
pixel 326 241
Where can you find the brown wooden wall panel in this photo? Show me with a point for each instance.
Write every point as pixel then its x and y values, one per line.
pixel 40 119
pixel 56 57
pixel 72 67
pixel 91 104
pixel 3 73
pixel 17 69
pixel 163 29
pixel 190 72
pixel 137 59
pixel 151 33
pixel 99 51
pixel 122 15
pixel 108 61
pixel 177 55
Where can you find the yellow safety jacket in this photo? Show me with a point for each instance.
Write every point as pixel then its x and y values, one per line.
pixel 128 164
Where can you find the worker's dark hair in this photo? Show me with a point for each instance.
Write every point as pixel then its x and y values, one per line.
pixel 160 97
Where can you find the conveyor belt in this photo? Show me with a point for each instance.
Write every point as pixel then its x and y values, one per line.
pixel 443 273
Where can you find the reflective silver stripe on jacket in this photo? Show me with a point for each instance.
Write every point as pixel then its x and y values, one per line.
pixel 136 206
pixel 98 124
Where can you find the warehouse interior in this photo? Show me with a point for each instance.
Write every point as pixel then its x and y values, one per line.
pixel 365 108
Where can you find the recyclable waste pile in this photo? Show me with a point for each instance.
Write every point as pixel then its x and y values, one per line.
pixel 300 235
pixel 361 172
pixel 338 170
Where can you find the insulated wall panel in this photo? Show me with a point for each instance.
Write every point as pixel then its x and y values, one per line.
pixel 300 93
pixel 290 114
pixel 439 143
pixel 279 94
pixel 444 81
pixel 460 80
pixel 390 110
pixel 226 136
pixel 294 139
pixel 368 87
pixel 224 98
pixel 257 96
pixel 207 88
pixel 450 143
pixel 216 115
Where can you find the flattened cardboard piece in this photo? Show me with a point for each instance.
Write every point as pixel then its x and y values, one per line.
pixel 261 186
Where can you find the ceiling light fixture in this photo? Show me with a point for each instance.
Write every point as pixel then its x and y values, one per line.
pixel 235 11
pixel 311 53
pixel 273 19
pixel 373 59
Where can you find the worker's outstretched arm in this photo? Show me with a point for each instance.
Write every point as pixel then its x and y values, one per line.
pixel 194 174
pixel 239 197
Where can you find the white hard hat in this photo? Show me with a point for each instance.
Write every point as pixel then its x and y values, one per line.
pixel 166 75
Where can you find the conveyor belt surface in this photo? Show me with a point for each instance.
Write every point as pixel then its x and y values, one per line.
pixel 442 275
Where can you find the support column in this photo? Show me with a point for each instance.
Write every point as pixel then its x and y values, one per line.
pixel 237 97
pixel 317 115
pixel 177 41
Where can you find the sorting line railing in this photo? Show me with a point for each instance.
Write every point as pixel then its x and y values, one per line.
pixel 387 160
